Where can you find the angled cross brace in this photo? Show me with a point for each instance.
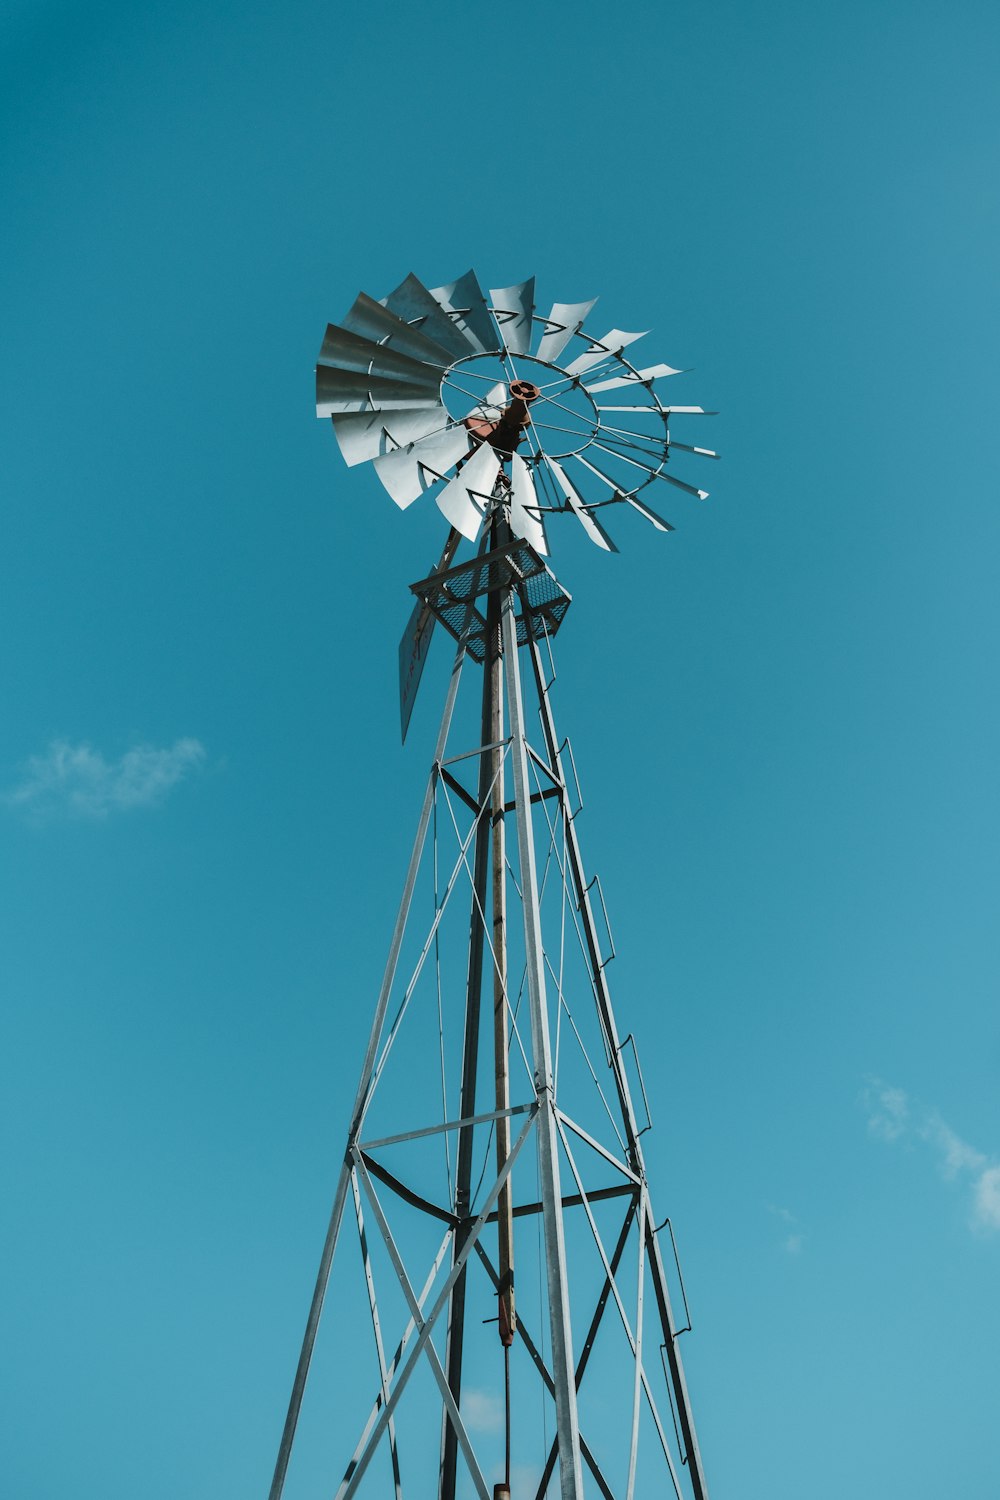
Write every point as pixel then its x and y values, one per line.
pixel 460 863
pixel 398 1353
pixel 425 1326
pixel 451 1407
pixel 376 1326
pixel 595 1324
pixel 635 1340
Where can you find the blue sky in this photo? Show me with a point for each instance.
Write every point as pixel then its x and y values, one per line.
pixel 784 714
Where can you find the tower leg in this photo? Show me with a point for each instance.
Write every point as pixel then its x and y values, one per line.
pixel 563 1373
pixel 361 1099
pixel 658 1276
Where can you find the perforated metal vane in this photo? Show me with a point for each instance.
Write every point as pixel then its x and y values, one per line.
pixel 450 392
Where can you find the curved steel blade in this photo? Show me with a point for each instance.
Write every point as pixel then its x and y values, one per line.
pixel 689 489
pixel 375 322
pixel 525 520
pixel 590 524
pixel 464 499
pixel 655 372
pixel 513 307
pixel 633 453
pixel 412 302
pixel 343 350
pixel 644 510
pixel 409 472
pixel 698 411
pixel 493 402
pixel 365 434
pixel 612 484
pixel 353 390
pixel 686 448
pixel 655 471
pixel 612 342
pixel 562 324
pixel 464 303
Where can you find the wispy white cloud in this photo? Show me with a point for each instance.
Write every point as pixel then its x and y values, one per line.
pixel 956 1156
pixel 895 1118
pixel 77 780
pixel 888 1110
pixel 986 1200
pixel 793 1239
pixel 482 1410
pixel 524 1481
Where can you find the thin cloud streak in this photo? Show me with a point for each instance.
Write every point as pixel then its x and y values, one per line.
pixel 482 1410
pixel 894 1118
pixel 77 781
pixel 794 1239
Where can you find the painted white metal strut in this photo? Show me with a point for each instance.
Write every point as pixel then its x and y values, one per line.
pixel 567 1418
pixel 682 1403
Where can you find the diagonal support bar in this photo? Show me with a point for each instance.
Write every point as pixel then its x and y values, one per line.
pixel 635 1343
pixel 595 1323
pixel 377 1328
pixel 367 1069
pixel 354 1477
pixel 400 1350
pixel 454 1414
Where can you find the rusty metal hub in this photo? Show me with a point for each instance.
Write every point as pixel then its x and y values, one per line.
pixel 505 434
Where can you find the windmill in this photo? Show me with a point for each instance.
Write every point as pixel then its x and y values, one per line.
pixel 519 1287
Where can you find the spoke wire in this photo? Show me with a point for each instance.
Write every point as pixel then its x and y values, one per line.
pixel 562 952
pixel 417 970
pixel 512 1011
pixel 624 458
pixel 615 435
pixel 569 1015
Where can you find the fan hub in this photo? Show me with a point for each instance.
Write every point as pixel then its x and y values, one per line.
pixel 563 414
pixel 505 434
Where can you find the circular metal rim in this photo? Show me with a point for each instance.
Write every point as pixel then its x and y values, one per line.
pixel 617 364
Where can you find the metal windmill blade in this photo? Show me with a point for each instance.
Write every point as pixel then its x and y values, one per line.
pixel 465 305
pixel 563 323
pixel 420 380
pixel 439 390
pixel 513 309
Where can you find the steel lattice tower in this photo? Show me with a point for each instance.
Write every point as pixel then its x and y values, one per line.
pixel 506 1184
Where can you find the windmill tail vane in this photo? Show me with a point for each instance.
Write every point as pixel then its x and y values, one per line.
pixel 517 1288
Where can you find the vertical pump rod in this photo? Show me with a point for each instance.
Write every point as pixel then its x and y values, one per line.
pixel 470 1053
